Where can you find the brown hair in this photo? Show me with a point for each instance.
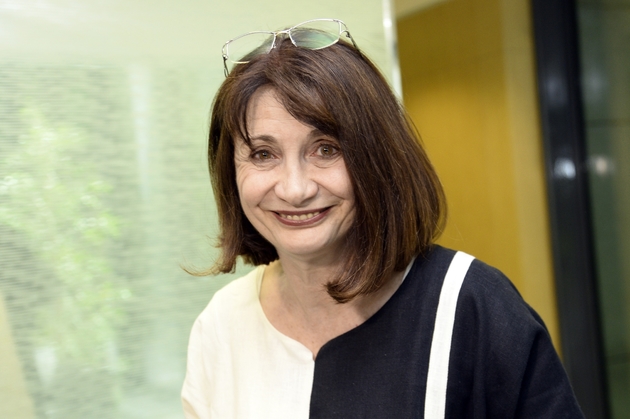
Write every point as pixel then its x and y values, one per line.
pixel 399 201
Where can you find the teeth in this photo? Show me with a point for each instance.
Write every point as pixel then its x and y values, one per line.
pixel 300 217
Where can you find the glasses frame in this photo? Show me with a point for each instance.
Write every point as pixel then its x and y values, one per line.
pixel 343 30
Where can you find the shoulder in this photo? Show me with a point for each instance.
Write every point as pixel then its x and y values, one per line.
pixel 485 291
pixel 488 286
pixel 485 288
pixel 490 311
pixel 231 304
pixel 210 345
pixel 490 301
pixel 497 332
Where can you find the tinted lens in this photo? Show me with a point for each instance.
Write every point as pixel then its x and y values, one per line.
pixel 316 34
pixel 240 50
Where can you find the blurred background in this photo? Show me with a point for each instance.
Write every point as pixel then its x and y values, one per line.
pixel 523 105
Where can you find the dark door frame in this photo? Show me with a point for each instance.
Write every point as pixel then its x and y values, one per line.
pixel 558 70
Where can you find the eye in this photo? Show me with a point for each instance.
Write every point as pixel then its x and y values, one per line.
pixel 327 150
pixel 261 155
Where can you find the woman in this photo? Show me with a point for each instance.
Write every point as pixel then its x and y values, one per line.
pixel 350 313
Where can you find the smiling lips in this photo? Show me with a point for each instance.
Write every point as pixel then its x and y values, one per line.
pixel 303 218
pixel 300 217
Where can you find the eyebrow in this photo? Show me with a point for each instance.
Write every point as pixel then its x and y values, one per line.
pixel 271 139
pixel 263 137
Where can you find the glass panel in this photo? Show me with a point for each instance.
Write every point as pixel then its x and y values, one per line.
pixel 604 28
pixel 104 192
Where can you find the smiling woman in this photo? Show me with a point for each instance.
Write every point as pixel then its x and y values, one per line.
pixel 338 92
pixel 322 183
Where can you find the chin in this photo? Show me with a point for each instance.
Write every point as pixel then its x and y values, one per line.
pixel 311 251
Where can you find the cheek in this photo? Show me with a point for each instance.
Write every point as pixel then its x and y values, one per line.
pixel 341 184
pixel 252 186
pixel 243 185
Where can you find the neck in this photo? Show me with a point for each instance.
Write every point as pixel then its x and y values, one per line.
pixel 294 298
pixel 301 284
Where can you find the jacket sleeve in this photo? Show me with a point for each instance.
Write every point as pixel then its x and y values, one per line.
pixel 545 391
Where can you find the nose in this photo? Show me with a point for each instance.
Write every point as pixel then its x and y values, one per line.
pixel 295 184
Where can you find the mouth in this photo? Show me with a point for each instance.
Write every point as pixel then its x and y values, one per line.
pixel 301 217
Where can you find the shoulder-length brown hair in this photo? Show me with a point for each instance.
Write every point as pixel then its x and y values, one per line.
pixel 400 203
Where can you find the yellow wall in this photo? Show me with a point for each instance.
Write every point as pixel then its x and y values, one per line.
pixel 469 85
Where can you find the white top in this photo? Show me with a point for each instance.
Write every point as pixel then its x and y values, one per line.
pixel 230 374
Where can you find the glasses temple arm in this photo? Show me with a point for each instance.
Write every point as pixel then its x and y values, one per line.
pixel 347 33
pixel 225 67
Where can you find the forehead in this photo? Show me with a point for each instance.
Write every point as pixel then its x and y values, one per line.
pixel 264 104
pixel 267 116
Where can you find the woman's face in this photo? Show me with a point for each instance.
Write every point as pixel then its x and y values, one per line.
pixel 293 184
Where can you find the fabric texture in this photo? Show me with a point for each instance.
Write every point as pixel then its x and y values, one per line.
pixel 437 376
pixel 502 363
